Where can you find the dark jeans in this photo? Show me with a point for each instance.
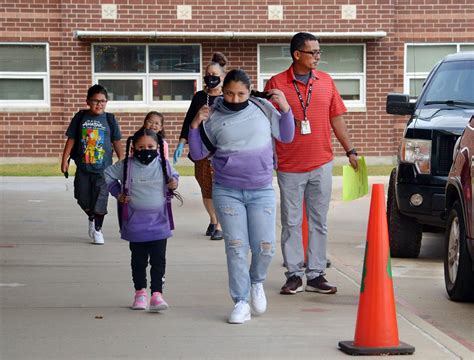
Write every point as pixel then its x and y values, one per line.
pixel 141 252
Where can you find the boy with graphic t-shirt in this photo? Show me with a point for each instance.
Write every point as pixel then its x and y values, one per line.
pixel 92 135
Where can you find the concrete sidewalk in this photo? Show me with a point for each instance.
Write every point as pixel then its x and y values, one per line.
pixel 62 298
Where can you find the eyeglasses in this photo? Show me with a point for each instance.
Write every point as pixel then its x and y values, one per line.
pixel 312 53
pixel 97 102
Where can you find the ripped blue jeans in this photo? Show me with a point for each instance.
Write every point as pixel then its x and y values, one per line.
pixel 248 219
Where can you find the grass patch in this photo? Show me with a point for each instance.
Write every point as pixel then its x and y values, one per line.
pixel 47 169
pixel 53 169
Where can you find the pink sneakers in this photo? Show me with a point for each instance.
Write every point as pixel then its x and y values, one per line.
pixel 157 303
pixel 141 300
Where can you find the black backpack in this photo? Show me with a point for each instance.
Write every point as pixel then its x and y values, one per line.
pixel 76 152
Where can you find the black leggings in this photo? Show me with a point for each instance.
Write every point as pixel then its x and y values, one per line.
pixel 141 252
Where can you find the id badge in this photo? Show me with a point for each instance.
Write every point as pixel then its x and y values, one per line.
pixel 305 127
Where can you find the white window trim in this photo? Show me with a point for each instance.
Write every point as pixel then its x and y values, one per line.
pixel 408 76
pixel 351 105
pixel 147 77
pixel 25 104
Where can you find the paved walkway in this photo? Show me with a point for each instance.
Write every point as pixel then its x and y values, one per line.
pixel 62 298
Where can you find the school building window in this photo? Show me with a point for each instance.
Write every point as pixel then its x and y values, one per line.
pixel 345 63
pixel 24 76
pixel 420 59
pixel 146 75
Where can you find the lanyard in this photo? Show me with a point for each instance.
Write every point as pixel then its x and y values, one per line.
pixel 300 97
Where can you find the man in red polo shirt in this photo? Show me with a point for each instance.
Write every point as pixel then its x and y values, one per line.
pixel 305 165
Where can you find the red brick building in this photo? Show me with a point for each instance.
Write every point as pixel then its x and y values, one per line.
pixel 151 54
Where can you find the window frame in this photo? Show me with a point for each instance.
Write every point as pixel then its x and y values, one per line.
pixel 417 75
pixel 147 78
pixel 27 104
pixel 351 105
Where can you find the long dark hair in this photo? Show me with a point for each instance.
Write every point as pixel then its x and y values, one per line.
pixel 132 140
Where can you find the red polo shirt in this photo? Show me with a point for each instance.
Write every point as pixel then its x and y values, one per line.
pixel 310 151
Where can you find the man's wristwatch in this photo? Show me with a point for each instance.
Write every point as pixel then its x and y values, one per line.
pixel 351 152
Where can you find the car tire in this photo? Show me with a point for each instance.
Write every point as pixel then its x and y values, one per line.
pixel 458 274
pixel 404 232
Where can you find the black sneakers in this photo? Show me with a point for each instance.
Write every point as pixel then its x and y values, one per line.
pixel 293 285
pixel 319 284
pixel 210 229
pixel 217 235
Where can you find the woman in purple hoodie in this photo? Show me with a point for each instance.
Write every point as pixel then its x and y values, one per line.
pixel 239 134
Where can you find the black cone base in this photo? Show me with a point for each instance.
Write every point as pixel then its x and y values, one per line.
pixel 349 348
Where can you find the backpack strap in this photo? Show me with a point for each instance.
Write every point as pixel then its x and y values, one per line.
pixel 126 185
pixel 268 113
pixel 110 122
pixel 205 139
pixel 262 106
pixel 75 151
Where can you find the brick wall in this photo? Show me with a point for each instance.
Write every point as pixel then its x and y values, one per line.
pixel 41 134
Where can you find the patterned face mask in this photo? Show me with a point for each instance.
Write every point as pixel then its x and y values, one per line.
pixel 145 156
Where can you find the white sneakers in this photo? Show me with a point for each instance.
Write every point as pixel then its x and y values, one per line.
pixel 258 305
pixel 91 229
pixel 240 314
pixel 258 300
pixel 98 238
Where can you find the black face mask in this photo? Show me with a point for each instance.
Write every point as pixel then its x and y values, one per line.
pixel 236 106
pixel 212 81
pixel 145 156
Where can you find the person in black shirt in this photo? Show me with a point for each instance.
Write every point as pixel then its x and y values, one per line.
pixel 214 75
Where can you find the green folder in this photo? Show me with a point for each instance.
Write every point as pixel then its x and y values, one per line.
pixel 355 184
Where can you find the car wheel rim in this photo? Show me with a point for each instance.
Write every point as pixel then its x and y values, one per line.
pixel 453 250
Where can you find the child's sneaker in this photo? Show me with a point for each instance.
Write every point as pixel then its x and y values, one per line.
pixel 98 238
pixel 141 300
pixel 91 229
pixel 157 303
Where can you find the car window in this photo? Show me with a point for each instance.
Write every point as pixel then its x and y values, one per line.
pixel 454 81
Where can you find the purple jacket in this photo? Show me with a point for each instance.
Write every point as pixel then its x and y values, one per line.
pixel 243 143
pixel 146 217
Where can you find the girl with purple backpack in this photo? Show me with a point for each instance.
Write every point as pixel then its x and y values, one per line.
pixel 143 185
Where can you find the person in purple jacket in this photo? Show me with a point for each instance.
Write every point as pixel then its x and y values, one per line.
pixel 142 184
pixel 239 134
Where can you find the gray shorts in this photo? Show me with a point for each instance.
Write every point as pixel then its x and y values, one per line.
pixel 90 191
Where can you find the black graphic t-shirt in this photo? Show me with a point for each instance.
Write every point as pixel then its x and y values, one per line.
pixel 96 141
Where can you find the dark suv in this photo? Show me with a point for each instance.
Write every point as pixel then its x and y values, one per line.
pixel 459 239
pixel 416 192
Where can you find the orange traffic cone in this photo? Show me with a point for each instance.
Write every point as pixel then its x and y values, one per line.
pixel 304 231
pixel 376 328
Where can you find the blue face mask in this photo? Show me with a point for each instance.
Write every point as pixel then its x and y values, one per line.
pixel 236 106
pixel 145 156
